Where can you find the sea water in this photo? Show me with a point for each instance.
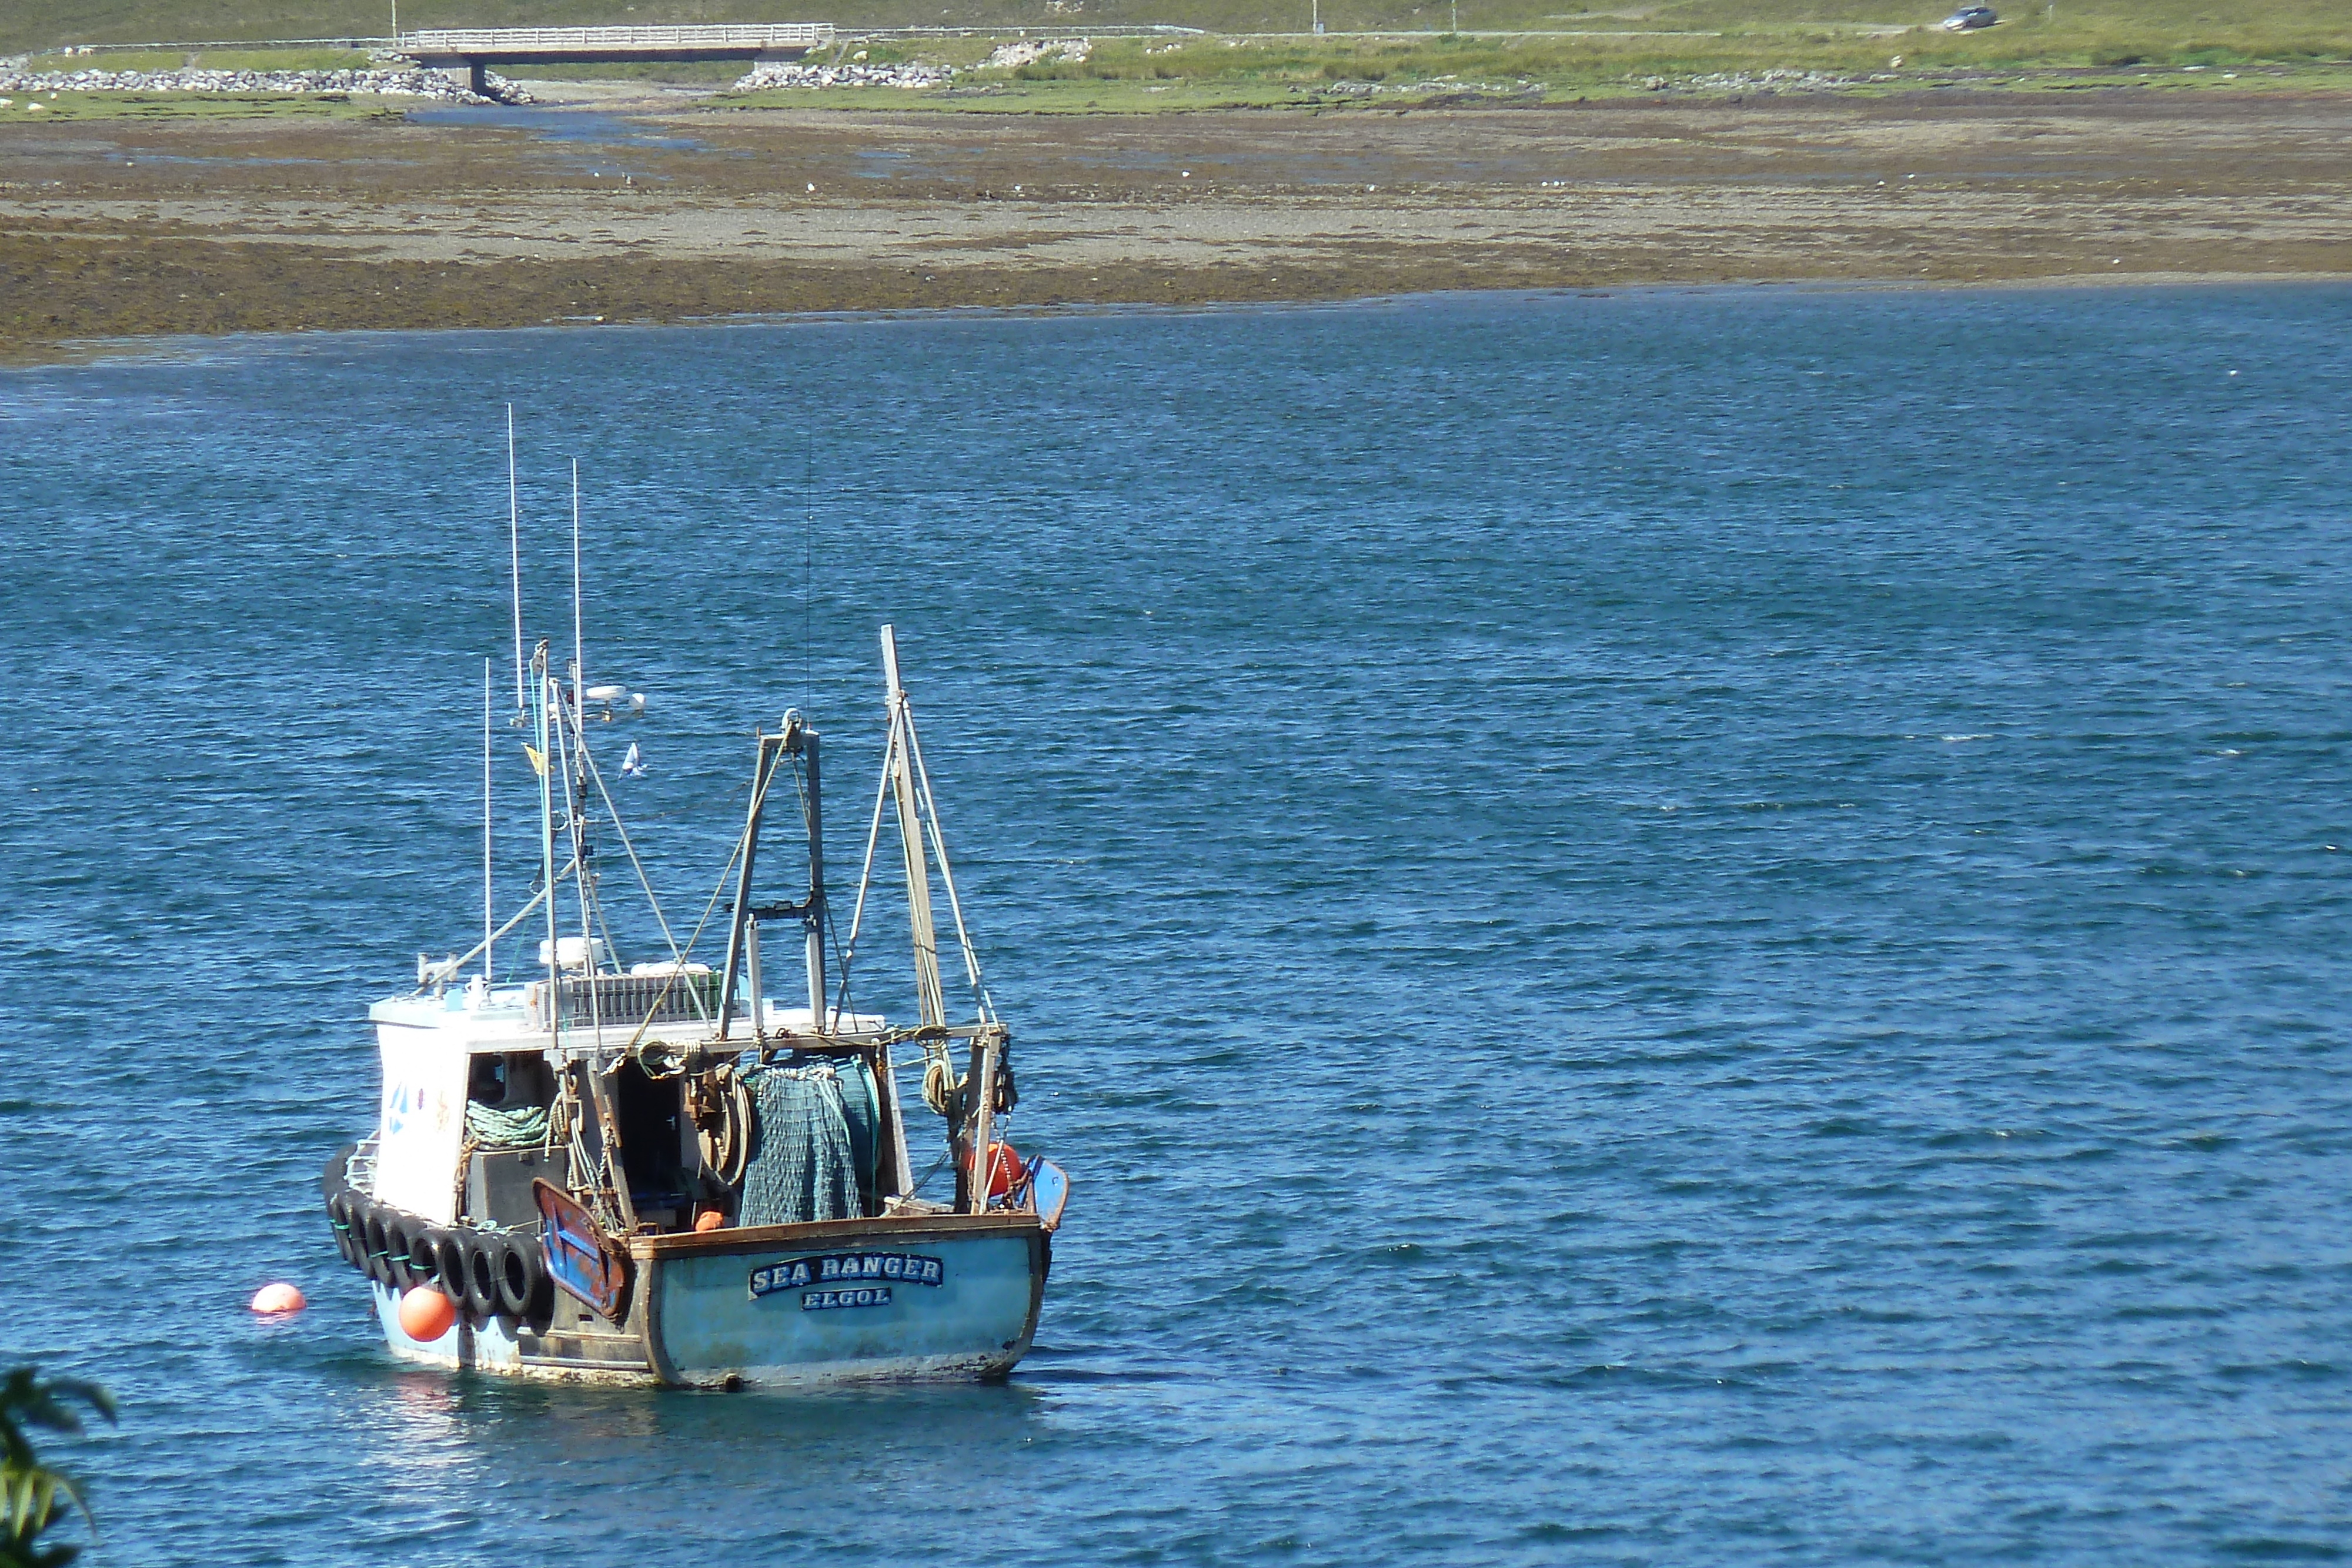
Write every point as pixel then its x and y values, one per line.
pixel 1655 928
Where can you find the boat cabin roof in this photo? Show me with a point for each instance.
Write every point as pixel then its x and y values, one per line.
pixel 500 1018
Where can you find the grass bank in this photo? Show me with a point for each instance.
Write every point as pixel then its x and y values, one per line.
pixel 1130 75
pixel 2071 32
pixel 1392 51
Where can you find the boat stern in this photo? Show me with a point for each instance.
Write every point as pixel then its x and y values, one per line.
pixel 844 1301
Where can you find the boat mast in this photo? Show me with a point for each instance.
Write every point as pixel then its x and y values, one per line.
pixel 813 911
pixel 795 739
pixel 763 770
pixel 902 766
pixel 489 910
pixel 540 762
pixel 514 561
pixel 575 736
pixel 910 835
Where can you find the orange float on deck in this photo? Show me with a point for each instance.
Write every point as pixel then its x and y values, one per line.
pixel 425 1314
pixel 1004 1169
pixel 709 1220
pixel 271 1301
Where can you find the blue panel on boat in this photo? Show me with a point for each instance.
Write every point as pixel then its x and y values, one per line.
pixel 1049 1189
pixel 972 1314
pixel 577 1259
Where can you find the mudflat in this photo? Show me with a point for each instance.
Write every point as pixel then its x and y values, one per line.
pixel 649 208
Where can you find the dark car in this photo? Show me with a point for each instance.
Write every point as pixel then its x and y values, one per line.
pixel 1969 19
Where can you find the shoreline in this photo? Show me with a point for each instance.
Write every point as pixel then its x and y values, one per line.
pixel 129 231
pixel 140 349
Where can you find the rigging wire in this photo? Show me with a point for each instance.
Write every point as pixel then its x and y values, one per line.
pixel 808 576
pixel 930 813
pixel 716 892
pixel 832 928
pixel 866 875
pixel 514 561
pixel 596 775
pixel 576 812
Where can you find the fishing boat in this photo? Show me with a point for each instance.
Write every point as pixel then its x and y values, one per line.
pixel 655 1172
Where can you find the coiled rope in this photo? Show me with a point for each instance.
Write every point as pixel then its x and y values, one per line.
pixel 939 1084
pixel 943 1090
pixel 525 1127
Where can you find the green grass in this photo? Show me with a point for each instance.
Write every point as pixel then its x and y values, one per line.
pixel 1616 49
pixel 2159 29
pixel 1146 74
pixel 210 59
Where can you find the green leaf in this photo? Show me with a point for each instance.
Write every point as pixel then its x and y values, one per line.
pixel 30 1491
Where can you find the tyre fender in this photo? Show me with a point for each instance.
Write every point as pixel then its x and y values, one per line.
pixel 400 1232
pixel 368 1226
pixel 485 1262
pixel 426 1249
pixel 449 1265
pixel 338 1215
pixel 524 1288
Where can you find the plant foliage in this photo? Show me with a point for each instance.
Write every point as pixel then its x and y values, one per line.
pixel 30 1491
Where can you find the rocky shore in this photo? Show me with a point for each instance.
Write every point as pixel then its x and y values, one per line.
pixel 133 227
pixel 384 81
pixel 910 75
pixel 854 73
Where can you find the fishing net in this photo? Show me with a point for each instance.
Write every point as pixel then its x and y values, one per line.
pixel 813 1146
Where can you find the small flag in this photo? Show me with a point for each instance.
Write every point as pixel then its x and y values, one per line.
pixel 537 763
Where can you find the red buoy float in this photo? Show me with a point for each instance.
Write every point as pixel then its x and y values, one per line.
pixel 1004 1169
pixel 425 1314
pixel 275 1301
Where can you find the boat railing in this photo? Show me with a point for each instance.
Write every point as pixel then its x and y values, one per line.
pixel 359 1170
pixel 526 41
pixel 624 1002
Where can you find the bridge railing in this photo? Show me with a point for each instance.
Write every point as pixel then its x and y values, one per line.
pixel 533 40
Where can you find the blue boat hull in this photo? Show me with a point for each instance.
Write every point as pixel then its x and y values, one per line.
pixel 941 1296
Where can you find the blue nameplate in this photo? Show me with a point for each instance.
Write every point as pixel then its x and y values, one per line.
pixel 850 1269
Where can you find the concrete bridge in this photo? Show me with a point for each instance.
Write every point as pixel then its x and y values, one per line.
pixel 475 50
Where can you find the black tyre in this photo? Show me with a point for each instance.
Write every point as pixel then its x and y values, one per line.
pixel 370 1229
pixel 485 1262
pixel 400 1233
pixel 450 1264
pixel 424 1250
pixel 338 1215
pixel 522 1280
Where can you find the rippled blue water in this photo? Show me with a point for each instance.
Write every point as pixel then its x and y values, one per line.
pixel 1695 928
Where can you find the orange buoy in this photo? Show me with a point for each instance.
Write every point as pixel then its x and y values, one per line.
pixel 272 1300
pixel 1004 1169
pixel 425 1313
pixel 709 1220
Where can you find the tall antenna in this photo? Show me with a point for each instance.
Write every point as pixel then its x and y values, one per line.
pixel 579 652
pixel 543 761
pixel 514 557
pixel 488 909
pixel 808 577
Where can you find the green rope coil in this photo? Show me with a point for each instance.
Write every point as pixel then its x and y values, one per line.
pixel 523 1127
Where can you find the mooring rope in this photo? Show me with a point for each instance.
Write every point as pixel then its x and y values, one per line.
pixel 521 1128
